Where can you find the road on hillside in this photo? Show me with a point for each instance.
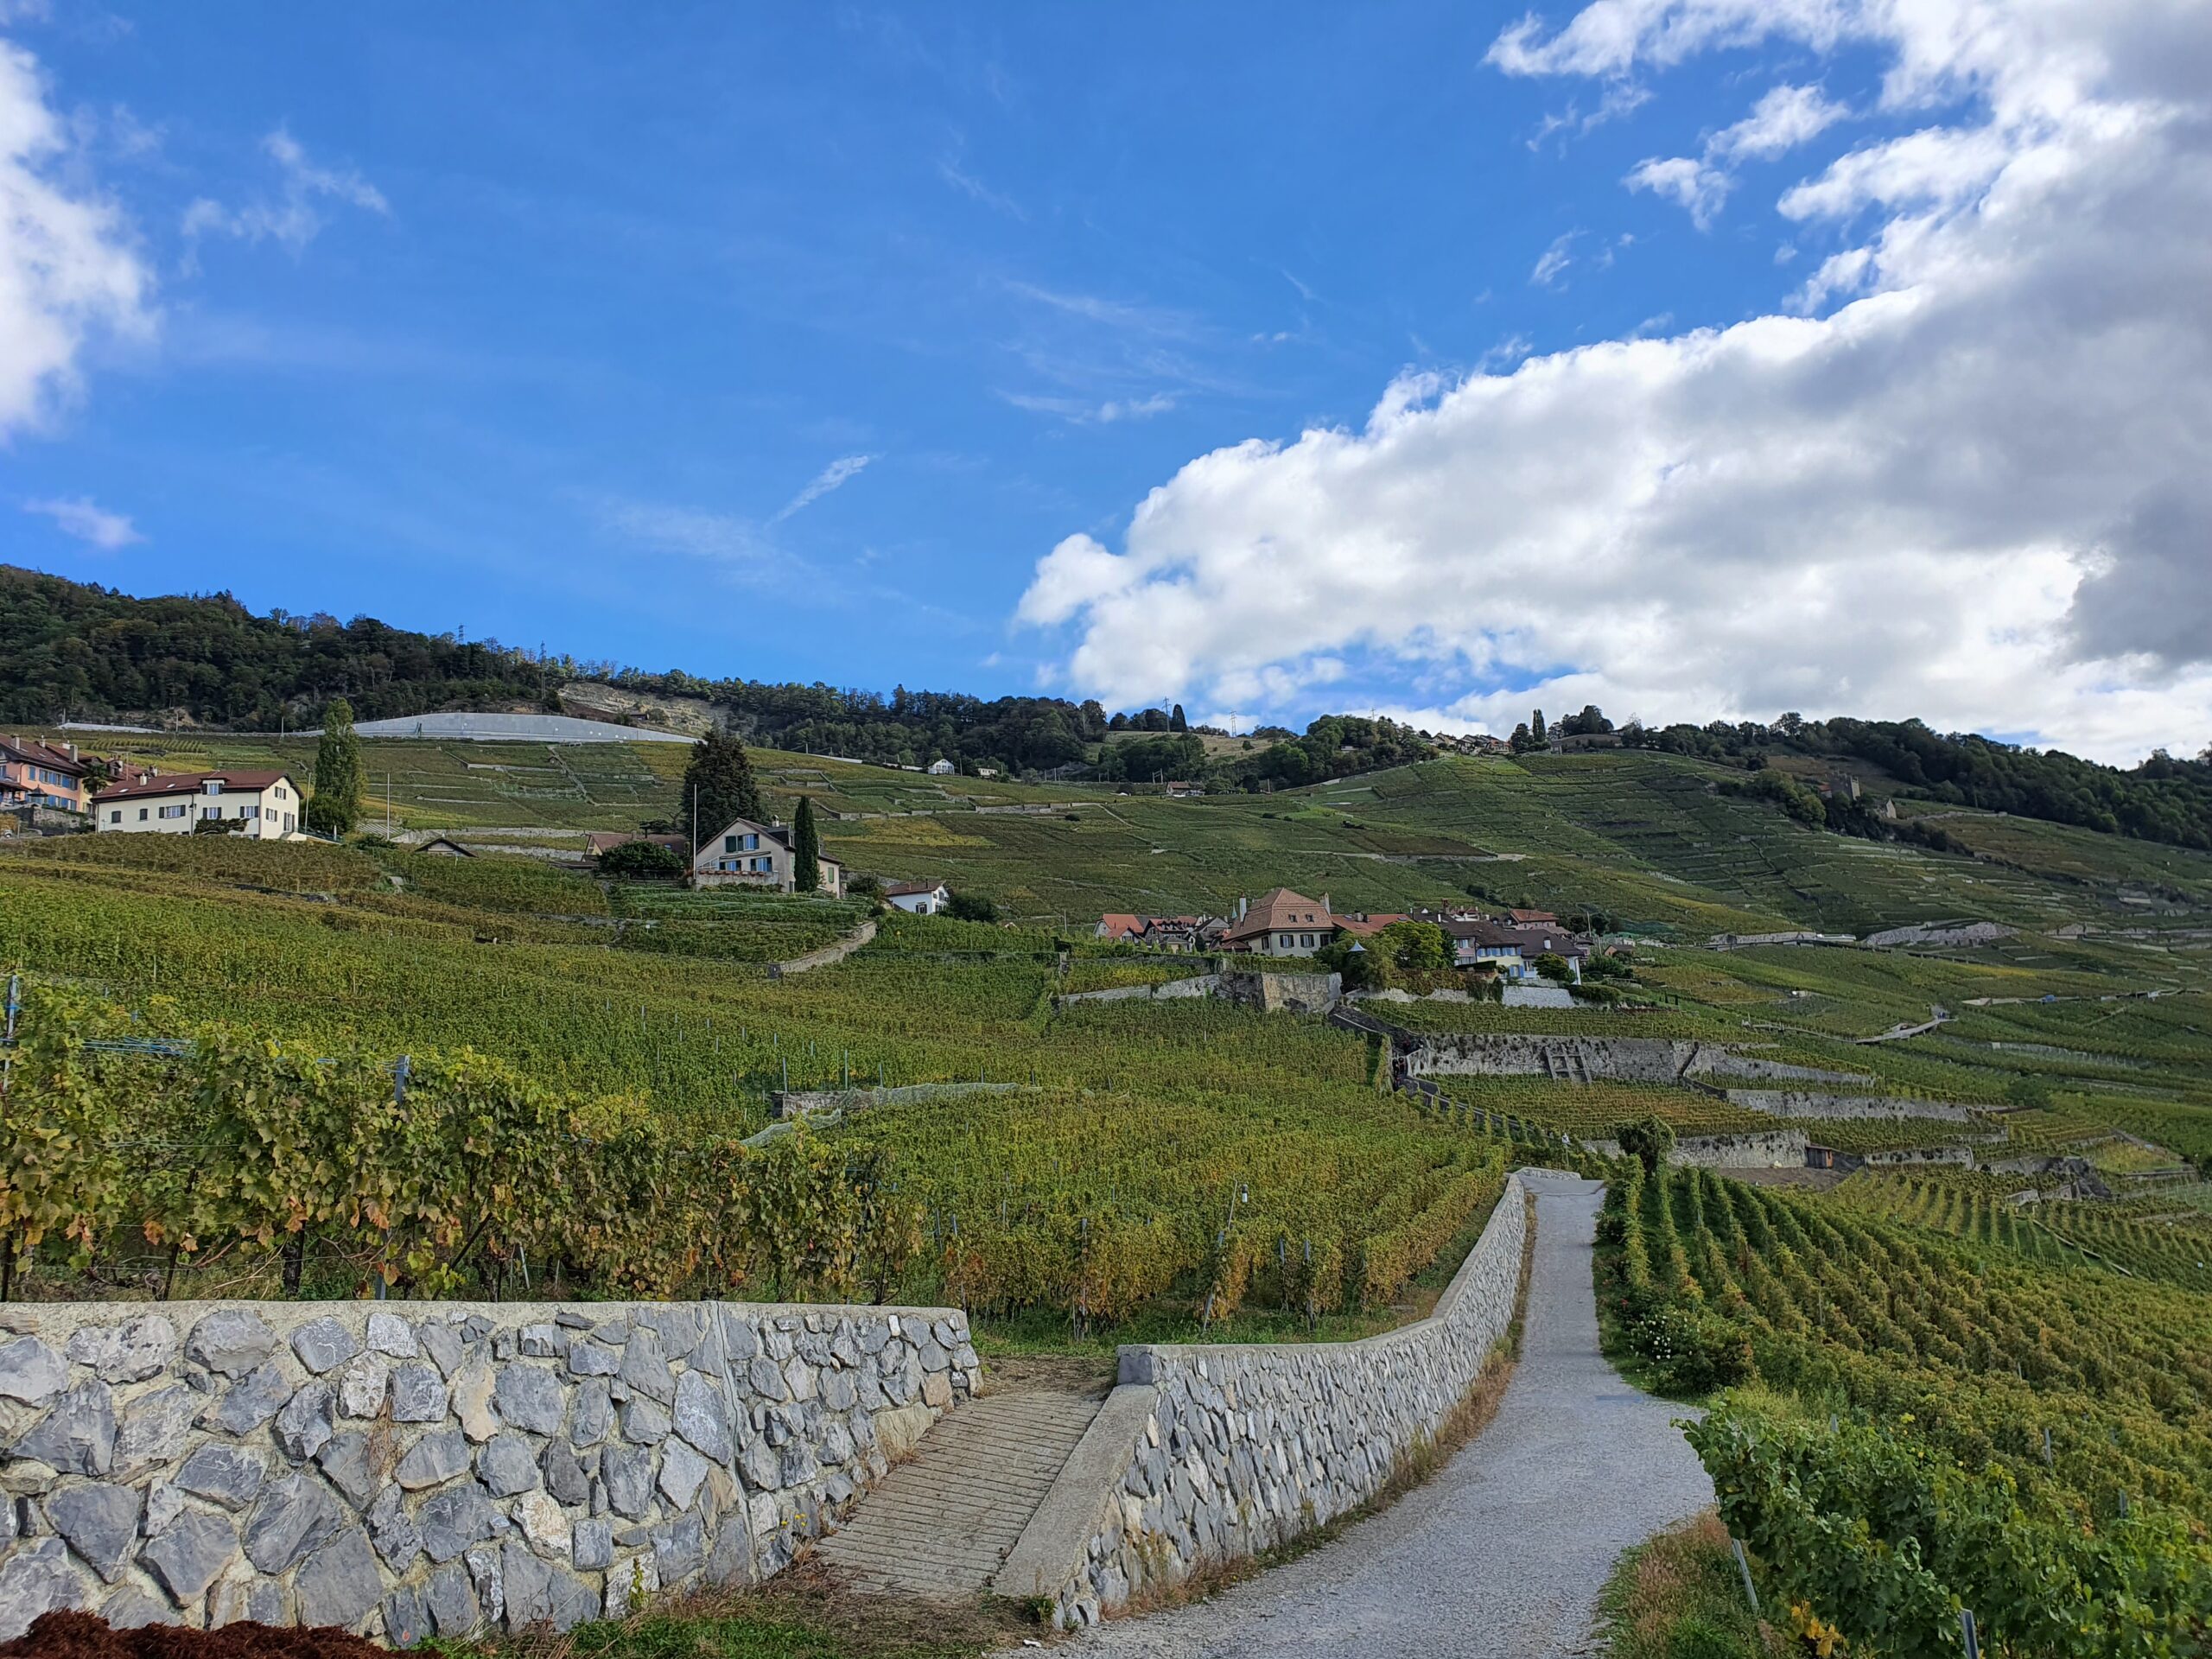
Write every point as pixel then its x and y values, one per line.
pixel 1503 1553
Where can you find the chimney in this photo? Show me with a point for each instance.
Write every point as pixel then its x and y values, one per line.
pixel 1239 907
pixel 1326 912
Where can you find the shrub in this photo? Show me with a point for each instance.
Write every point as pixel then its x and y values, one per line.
pixel 971 907
pixel 642 860
pixel 1648 1140
pixel 1693 1352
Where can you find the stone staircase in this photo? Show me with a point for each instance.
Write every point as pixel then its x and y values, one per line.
pixel 940 1524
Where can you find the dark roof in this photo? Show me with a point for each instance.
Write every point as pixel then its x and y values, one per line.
pixel 1476 930
pixel 188 783
pixel 31 752
pixel 899 889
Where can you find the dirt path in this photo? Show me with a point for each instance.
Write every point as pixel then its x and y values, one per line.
pixel 1501 1554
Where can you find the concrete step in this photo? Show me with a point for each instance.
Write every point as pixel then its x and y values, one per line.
pixel 940 1524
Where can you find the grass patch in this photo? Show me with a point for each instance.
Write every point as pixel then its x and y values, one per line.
pixel 1679 1597
pixel 798 1615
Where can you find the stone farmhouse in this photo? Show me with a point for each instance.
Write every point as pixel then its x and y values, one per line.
pixel 749 855
pixel 262 805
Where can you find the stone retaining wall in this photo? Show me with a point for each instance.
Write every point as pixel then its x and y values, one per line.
pixel 1791 1102
pixel 405 1468
pixel 1780 1150
pixel 1626 1059
pixel 1261 988
pixel 827 955
pixel 1209 1453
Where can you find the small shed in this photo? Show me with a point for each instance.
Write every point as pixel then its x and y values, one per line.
pixel 444 846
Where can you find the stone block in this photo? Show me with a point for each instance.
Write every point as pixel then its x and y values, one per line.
pixel 77 1434
pixel 347 1462
pixel 472 1393
pixel 454 1519
pixel 644 1366
pixel 701 1416
pixel 291 1517
pixel 303 1427
pixel 324 1344
pixel 681 1470
pixel 452 1600
pixel 231 1341
pixel 340 1583
pixel 441 1343
pixel 100 1523
pixel 133 1608
pixel 591 1544
pixel 433 1460
pixel 363 1386
pixel 391 1334
pixel 407 1619
pixel 645 1423
pixel 32 1372
pixel 249 1402
pixel 38 1578
pixel 129 1353
pixel 628 1473
pixel 154 1429
pixel 227 1475
pixel 190 1555
pixel 531 1398
pixel 508 1464
pixel 418 1392
pixel 591 1359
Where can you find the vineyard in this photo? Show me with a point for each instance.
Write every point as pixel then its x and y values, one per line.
pixel 2009 1434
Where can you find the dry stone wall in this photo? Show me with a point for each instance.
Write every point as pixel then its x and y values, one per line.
pixel 1206 1454
pixel 411 1469
pixel 1794 1103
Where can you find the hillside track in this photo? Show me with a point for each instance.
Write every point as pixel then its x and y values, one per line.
pixel 1503 1553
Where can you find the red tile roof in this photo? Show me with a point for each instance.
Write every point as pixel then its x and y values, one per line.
pixel 32 751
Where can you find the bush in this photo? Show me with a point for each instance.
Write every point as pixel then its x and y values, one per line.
pixel 1693 1352
pixel 1648 1140
pixel 1553 966
pixel 641 860
pixel 971 907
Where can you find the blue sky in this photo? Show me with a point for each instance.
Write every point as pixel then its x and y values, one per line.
pixel 786 344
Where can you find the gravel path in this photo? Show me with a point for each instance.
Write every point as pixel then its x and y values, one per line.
pixel 1502 1552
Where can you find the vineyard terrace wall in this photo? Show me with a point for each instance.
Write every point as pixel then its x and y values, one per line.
pixel 1206 1454
pixel 1624 1059
pixel 411 1469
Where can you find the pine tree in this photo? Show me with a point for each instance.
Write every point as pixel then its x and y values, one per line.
pixel 720 781
pixel 806 848
pixel 336 806
pixel 1175 720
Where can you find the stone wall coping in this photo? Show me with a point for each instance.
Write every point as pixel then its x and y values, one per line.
pixel 34 1319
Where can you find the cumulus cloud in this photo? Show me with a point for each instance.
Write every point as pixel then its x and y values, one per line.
pixel 296 215
pixel 1958 483
pixel 89 522
pixel 68 272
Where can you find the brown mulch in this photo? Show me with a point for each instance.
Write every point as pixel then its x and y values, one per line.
pixel 87 1636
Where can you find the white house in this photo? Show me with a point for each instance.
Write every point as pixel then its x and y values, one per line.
pixel 941 768
pixel 749 855
pixel 263 806
pixel 919 897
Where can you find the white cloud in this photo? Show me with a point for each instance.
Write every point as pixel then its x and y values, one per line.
pixel 1085 413
pixel 1971 492
pixel 1692 184
pixel 1552 263
pixel 68 272
pixel 295 217
pixel 89 522
pixel 1785 118
pixel 838 472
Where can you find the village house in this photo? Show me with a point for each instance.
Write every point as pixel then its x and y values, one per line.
pixel 940 768
pixel 749 855
pixel 917 898
pixel 262 805
pixel 36 774
pixel 1281 923
pixel 1485 946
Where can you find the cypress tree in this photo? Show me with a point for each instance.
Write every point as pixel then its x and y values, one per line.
pixel 1175 720
pixel 1536 726
pixel 720 778
pixel 336 806
pixel 806 848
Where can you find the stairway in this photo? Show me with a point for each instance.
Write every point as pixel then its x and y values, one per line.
pixel 940 1524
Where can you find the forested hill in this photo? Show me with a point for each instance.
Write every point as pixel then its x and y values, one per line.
pixel 71 650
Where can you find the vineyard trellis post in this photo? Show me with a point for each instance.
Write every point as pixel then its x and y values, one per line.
pixel 1744 1566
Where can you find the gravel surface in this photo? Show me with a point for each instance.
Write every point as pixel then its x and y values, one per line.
pixel 1502 1552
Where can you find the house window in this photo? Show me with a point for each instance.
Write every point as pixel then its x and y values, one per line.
pixel 116 817
pixel 212 786
pixel 729 843
pixel 141 814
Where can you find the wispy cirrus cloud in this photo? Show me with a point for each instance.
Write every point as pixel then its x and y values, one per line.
pixel 833 476
pixel 88 522
pixel 1084 413
pixel 296 215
